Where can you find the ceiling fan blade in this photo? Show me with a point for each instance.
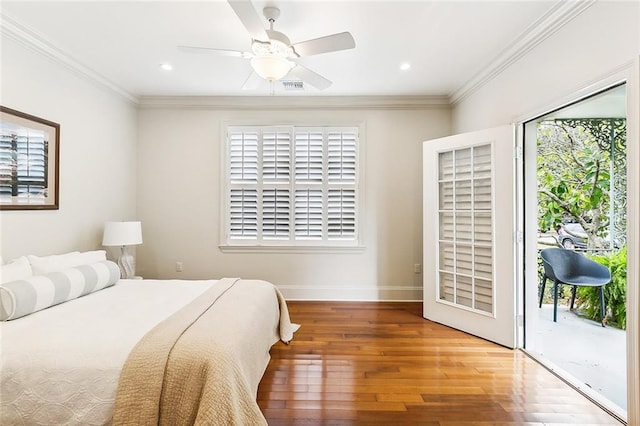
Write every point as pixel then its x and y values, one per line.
pixel 310 77
pixel 252 82
pixel 330 43
pixel 249 18
pixel 211 50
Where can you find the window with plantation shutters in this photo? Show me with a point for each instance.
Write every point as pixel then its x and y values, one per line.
pixel 23 165
pixel 465 271
pixel 291 186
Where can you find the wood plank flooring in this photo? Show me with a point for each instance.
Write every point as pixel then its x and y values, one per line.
pixel 366 363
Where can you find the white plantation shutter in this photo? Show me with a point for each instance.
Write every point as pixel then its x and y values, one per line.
pixel 342 176
pixel 276 148
pixel 466 228
pixel 243 213
pixel 243 174
pixel 341 214
pixel 7 165
pixel 342 151
pixel 243 156
pixel 309 156
pixel 275 214
pixel 292 186
pixel 308 214
pixel 23 165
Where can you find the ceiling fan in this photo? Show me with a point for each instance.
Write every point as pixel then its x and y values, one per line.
pixel 272 55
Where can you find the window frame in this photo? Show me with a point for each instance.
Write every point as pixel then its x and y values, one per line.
pixel 290 245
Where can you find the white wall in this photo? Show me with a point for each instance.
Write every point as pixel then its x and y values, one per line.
pixel 179 202
pixel 97 154
pixel 595 43
pixel 598 46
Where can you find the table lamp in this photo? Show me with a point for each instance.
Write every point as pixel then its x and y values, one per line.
pixel 123 234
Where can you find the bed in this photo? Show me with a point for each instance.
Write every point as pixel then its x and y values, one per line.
pixel 143 352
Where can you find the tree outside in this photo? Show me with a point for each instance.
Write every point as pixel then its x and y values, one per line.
pixel 582 179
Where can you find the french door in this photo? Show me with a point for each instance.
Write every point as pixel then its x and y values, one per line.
pixel 469 233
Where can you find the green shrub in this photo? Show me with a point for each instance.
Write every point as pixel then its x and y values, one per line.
pixel 615 293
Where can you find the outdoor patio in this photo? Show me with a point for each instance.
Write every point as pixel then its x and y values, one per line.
pixel 592 354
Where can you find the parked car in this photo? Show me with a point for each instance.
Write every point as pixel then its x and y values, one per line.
pixel 575 238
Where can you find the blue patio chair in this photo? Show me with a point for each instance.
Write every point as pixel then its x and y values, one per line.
pixel 568 267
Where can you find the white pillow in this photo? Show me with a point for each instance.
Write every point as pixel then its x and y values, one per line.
pixel 25 296
pixel 59 262
pixel 18 269
pixel 84 258
pixel 45 264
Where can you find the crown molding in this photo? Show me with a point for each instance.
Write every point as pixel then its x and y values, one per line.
pixel 252 103
pixel 558 16
pixel 34 41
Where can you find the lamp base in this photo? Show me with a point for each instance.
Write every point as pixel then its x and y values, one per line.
pixel 127 264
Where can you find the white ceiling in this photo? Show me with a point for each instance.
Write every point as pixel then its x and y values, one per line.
pixel 447 42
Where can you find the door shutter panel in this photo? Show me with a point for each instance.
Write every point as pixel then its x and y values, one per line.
pixel 465 227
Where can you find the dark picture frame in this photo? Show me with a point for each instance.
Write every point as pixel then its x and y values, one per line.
pixel 29 161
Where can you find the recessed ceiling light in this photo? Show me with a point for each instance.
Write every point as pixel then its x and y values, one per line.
pixel 166 67
pixel 405 66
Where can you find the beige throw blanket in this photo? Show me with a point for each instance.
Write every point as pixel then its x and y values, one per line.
pixel 203 364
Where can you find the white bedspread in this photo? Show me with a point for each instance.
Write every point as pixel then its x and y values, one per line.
pixel 48 372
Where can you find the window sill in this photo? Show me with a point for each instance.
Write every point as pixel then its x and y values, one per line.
pixel 291 249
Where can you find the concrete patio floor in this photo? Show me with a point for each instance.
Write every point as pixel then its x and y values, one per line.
pixel 590 353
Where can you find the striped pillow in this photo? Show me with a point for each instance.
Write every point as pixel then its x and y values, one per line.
pixel 23 297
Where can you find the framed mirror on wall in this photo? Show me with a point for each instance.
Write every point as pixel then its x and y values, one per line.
pixel 29 161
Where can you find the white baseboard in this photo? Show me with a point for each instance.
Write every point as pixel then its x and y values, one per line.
pixel 369 294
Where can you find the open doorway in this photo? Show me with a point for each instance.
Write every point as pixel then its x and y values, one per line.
pixel 576 167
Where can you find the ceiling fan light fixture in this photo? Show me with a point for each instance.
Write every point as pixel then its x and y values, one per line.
pixel 271 67
pixel 278 45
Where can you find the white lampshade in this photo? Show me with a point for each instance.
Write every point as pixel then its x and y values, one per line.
pixel 271 67
pixel 122 234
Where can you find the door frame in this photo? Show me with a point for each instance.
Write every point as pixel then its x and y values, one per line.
pixel 527 261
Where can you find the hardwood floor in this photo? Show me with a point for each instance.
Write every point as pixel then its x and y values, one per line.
pixel 371 363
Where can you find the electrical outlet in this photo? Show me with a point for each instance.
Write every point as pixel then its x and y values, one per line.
pixel 417 268
pixel 178 266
